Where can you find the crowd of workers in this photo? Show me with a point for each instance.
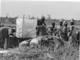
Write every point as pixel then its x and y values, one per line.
pixel 65 31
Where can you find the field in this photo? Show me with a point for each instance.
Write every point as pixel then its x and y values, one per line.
pixel 42 53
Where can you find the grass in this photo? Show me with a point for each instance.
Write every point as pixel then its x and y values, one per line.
pixel 44 53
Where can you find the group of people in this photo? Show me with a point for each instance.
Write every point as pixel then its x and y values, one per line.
pixel 7 37
pixel 65 30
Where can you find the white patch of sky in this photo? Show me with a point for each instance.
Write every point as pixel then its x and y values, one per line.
pixel 56 9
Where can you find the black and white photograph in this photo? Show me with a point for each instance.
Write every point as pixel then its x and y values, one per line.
pixel 39 30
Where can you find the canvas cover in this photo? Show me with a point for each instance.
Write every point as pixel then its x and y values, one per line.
pixel 26 28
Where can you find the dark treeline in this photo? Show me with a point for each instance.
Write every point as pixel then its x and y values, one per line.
pixel 12 20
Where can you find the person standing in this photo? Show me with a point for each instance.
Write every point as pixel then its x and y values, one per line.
pixel 12 41
pixel 65 31
pixel 73 33
pixel 41 27
pixel 61 28
pixel 53 29
pixel 4 37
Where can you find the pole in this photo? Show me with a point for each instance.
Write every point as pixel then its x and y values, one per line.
pixel 5 43
pixel 23 24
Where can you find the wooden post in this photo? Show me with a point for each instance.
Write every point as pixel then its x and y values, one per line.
pixel 5 43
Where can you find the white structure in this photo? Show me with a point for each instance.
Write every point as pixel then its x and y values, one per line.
pixel 26 28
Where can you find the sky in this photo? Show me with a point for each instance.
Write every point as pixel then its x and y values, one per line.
pixel 56 9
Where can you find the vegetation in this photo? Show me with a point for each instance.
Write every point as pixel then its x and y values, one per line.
pixel 65 52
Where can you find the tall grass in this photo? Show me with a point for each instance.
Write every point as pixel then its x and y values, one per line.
pixel 67 52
